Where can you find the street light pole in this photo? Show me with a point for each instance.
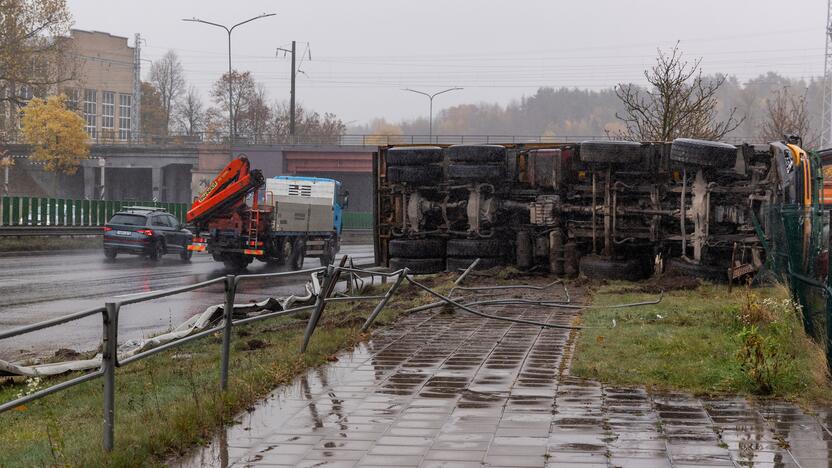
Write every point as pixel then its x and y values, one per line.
pixel 430 97
pixel 230 76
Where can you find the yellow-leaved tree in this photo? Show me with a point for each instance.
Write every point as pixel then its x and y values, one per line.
pixel 56 134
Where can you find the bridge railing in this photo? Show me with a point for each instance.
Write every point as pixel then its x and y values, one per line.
pixel 355 139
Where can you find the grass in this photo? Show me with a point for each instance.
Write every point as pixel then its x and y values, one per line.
pixel 31 244
pixel 168 403
pixel 705 341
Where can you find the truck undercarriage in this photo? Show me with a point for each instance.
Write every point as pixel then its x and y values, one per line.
pixel 609 209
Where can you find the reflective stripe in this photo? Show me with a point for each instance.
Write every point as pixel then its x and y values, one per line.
pixel 252 252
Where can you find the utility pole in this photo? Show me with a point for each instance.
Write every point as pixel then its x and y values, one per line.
pixel 136 105
pixel 826 117
pixel 294 73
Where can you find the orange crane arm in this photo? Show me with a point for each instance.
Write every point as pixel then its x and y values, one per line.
pixel 228 190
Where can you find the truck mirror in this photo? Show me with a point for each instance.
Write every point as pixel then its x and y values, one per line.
pixel 346 199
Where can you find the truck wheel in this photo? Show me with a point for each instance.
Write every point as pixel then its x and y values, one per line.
pixel 413 155
pixel 418 266
pixel 298 250
pixel 416 248
pixel 236 261
pixel 477 153
pixel 457 263
pixel 611 152
pixel 277 251
pixel 473 248
pixel 597 267
pixel 703 153
pixel 711 273
pixel 414 174
pixel 475 173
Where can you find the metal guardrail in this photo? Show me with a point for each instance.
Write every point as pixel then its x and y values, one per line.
pixel 110 312
pixel 34 231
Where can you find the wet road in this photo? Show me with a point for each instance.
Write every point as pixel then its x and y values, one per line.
pixel 38 287
pixel 455 390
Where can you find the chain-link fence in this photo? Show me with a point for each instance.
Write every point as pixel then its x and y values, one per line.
pixel 796 239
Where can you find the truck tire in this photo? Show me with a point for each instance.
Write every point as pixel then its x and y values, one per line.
pixel 597 267
pixel 418 266
pixel 711 273
pixel 477 154
pixel 414 174
pixel 703 153
pixel 414 155
pixel 476 172
pixel 236 261
pixel 458 263
pixel 298 251
pixel 611 152
pixel 417 248
pixel 475 248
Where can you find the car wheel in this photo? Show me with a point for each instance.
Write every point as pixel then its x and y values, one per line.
pixel 157 251
pixel 703 153
pixel 419 266
pixel 416 248
pixel 110 254
pixel 186 254
pixel 608 152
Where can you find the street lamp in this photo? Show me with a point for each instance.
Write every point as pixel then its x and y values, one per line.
pixel 230 92
pixel 430 97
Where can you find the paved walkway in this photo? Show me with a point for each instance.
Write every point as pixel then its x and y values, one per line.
pixel 457 390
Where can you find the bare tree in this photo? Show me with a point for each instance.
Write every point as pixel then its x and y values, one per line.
pixel 168 76
pixel 679 103
pixel 34 54
pixel 786 114
pixel 243 87
pixel 190 113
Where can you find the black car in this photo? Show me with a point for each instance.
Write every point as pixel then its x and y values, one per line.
pixel 146 231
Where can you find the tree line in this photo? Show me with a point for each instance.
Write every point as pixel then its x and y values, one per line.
pixel 170 105
pixel 678 101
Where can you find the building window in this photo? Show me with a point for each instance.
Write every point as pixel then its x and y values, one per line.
pixel 108 112
pixel 71 99
pixel 125 104
pixel 91 112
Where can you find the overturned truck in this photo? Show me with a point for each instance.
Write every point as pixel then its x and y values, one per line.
pixel 607 209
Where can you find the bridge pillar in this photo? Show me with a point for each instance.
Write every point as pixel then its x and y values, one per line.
pixel 89 183
pixel 156 175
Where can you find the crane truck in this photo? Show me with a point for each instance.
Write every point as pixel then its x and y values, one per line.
pixel 241 216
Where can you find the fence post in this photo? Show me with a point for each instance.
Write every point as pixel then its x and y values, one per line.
pixel 108 366
pixel 326 287
pixel 228 313
pixel 384 300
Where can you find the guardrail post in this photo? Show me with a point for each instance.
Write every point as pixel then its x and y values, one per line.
pixel 326 287
pixel 108 366
pixel 228 313
pixel 384 300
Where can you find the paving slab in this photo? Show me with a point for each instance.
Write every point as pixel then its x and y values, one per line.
pixel 456 390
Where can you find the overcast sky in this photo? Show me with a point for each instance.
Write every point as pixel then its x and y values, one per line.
pixel 365 51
